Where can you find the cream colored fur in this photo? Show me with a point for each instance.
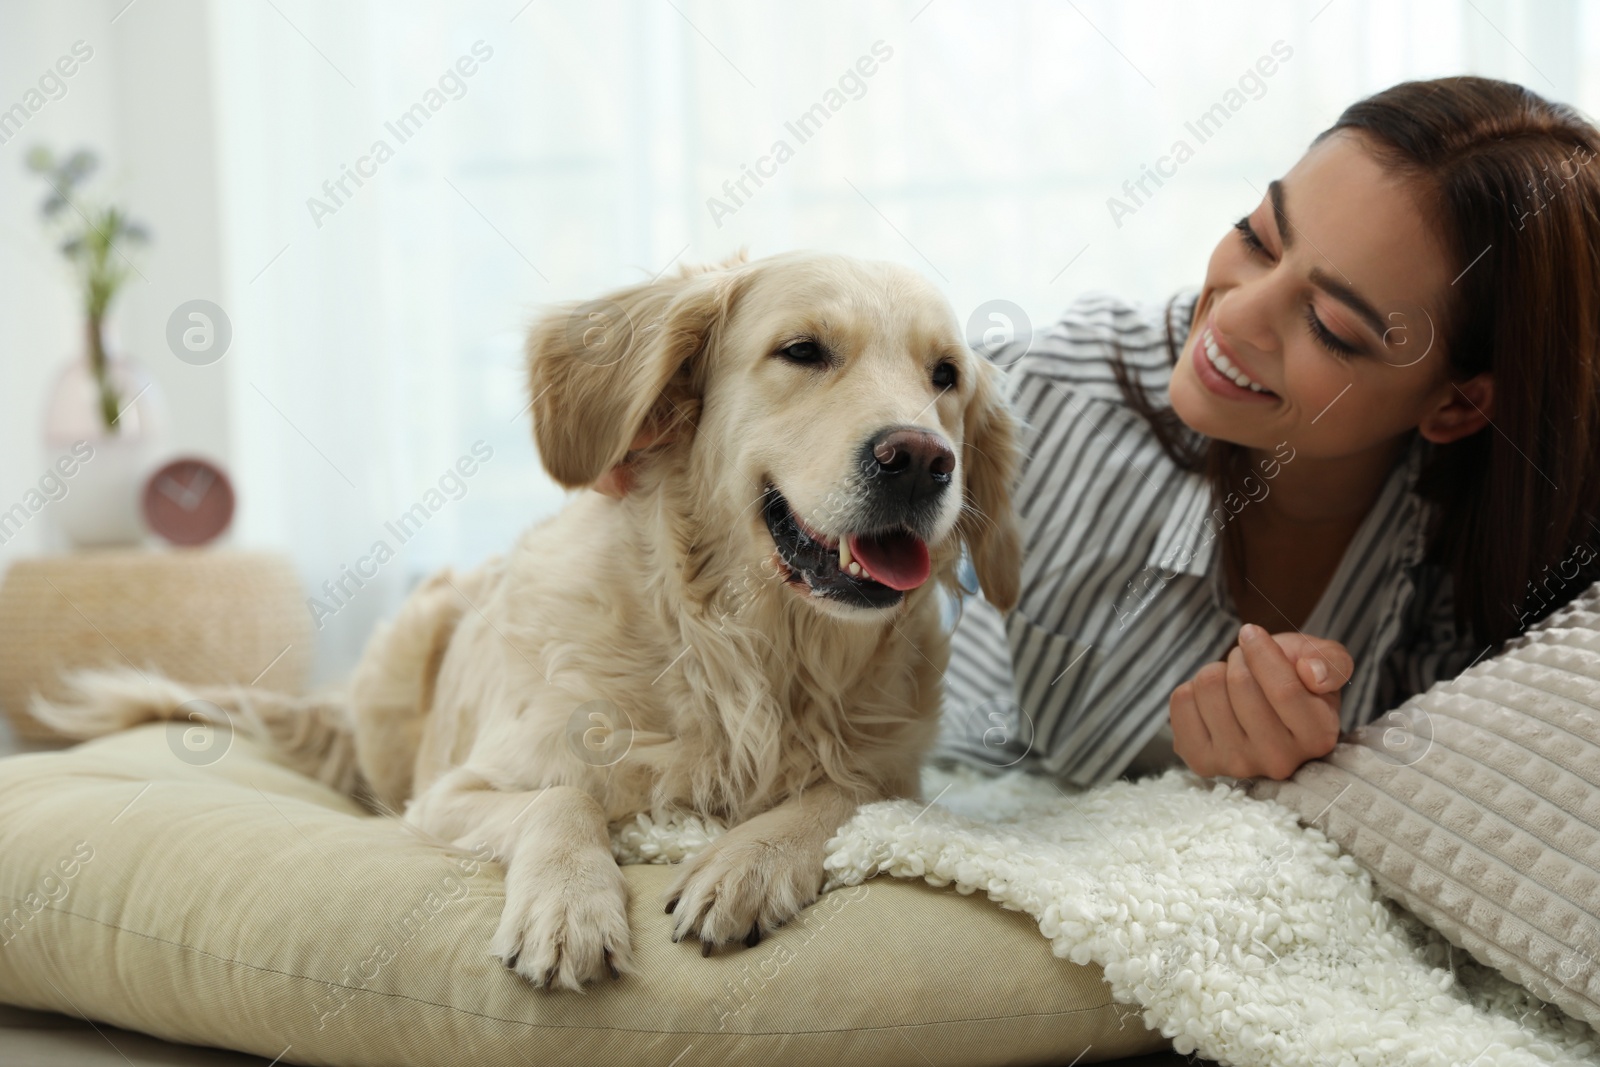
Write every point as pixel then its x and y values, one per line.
pixel 660 625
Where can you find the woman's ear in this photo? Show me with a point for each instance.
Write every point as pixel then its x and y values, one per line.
pixel 989 460
pixel 600 370
pixel 1464 409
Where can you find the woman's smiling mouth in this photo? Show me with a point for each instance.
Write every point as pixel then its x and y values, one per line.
pixel 1221 375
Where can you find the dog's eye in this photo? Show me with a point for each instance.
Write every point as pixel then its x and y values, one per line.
pixel 945 376
pixel 804 352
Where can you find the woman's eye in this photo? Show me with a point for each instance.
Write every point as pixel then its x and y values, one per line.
pixel 1247 234
pixel 807 353
pixel 1319 330
pixel 945 376
pixel 1327 338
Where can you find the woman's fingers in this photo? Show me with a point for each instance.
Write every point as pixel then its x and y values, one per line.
pixel 1273 750
pixel 1264 711
pixel 1271 666
pixel 1190 740
pixel 1228 747
pixel 1305 714
pixel 1324 665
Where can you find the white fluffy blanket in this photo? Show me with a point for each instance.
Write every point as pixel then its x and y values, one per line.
pixel 1239 934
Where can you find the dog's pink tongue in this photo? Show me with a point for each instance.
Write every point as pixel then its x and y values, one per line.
pixel 899 560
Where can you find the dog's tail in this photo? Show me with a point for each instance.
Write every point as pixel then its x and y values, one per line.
pixel 311 734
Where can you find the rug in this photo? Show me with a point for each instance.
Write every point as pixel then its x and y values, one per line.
pixel 1238 933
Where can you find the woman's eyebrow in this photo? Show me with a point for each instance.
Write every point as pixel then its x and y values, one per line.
pixel 1340 291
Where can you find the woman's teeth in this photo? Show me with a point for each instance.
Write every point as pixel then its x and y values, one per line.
pixel 1225 366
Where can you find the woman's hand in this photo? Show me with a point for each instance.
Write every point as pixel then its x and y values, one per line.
pixel 1271 707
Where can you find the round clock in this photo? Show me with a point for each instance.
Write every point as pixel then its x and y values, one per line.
pixel 189 501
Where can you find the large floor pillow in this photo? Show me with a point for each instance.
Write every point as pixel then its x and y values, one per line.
pixel 1476 805
pixel 244 906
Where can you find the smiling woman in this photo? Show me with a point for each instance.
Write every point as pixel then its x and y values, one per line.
pixel 1414 308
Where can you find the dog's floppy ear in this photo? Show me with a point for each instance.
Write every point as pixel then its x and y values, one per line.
pixel 990 457
pixel 597 370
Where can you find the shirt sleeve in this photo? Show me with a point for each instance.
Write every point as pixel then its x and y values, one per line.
pixel 978 722
pixel 1080 349
pixel 982 721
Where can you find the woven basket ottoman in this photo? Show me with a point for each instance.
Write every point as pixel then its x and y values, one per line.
pixel 196 615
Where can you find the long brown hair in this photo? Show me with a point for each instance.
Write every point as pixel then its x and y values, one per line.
pixel 1512 186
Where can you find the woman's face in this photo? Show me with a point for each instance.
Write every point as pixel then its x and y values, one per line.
pixel 1324 303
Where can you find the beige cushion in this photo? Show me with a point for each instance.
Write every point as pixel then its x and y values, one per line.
pixel 1477 806
pixel 241 905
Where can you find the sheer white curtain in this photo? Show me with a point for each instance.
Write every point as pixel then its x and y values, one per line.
pixel 378 325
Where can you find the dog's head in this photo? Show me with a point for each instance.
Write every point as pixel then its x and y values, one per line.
pixel 825 409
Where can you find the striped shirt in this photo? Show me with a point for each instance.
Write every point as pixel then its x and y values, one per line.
pixel 1124 596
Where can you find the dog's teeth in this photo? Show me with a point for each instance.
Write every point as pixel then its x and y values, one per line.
pixel 855 569
pixel 845 562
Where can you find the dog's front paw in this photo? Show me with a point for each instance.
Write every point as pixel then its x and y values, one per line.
pixel 566 919
pixel 736 891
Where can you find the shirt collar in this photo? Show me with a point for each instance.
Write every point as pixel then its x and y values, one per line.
pixel 1188 538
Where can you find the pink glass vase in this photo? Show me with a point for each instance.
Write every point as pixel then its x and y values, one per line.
pixel 98 503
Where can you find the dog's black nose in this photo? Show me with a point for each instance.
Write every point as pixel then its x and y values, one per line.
pixel 917 461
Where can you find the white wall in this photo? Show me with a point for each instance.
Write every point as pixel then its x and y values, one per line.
pixel 142 101
pixel 371 351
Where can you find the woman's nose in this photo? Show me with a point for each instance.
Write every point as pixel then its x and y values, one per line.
pixel 1252 312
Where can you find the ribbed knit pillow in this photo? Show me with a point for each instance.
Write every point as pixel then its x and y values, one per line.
pixel 1476 805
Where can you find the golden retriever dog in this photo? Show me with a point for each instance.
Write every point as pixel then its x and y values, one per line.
pixel 752 633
